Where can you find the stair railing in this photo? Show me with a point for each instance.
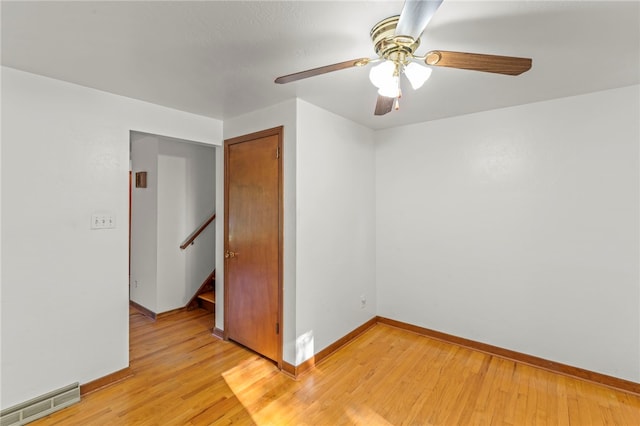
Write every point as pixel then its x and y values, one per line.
pixel 191 238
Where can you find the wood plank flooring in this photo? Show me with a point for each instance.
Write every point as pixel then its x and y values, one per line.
pixel 387 376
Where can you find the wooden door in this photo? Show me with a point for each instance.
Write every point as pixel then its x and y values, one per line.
pixel 253 242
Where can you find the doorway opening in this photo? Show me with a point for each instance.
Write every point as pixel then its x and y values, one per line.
pixel 174 202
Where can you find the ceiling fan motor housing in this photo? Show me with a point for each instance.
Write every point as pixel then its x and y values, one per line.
pixel 388 45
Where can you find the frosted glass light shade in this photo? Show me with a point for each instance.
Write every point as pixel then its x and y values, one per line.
pixel 383 77
pixel 391 89
pixel 382 74
pixel 417 74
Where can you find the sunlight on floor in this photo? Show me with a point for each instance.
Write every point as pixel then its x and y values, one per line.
pixel 362 415
pixel 250 381
pixel 271 398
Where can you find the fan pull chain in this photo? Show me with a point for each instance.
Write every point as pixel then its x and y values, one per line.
pixel 396 104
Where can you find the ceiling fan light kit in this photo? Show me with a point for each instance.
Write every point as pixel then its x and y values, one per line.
pixel 397 54
pixel 395 40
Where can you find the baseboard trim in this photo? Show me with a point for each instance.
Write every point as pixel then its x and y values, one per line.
pixel 218 333
pixel 105 381
pixel 171 312
pixel 143 310
pixel 555 367
pixel 306 366
pixel 289 369
pixel 344 340
pixel 296 370
pixel 534 361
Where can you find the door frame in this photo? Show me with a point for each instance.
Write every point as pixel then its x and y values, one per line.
pixel 279 132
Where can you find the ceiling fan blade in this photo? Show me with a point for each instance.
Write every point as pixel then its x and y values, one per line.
pixel 415 16
pixel 322 70
pixel 383 105
pixel 508 65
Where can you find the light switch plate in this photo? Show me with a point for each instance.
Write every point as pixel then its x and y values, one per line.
pixel 103 221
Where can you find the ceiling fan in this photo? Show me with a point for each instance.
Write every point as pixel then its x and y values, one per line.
pixel 396 40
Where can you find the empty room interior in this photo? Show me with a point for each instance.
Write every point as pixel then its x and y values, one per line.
pixel 320 212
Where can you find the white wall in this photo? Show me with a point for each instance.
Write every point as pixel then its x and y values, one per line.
pixel 335 228
pixel 172 201
pixel 329 235
pixel 180 196
pixel 519 228
pixel 144 222
pixel 65 155
pixel 283 114
pixel 186 199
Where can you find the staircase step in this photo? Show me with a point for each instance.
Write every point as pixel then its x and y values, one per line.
pixel 209 296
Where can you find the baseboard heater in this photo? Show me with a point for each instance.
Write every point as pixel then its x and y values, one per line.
pixel 40 406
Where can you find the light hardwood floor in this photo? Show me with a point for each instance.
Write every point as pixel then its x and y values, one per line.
pixel 387 376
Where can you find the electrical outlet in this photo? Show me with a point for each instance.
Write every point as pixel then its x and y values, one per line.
pixel 363 301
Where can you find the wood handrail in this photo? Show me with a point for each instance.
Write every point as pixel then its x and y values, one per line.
pixel 190 239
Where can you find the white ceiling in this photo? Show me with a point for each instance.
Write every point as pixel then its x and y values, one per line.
pixel 219 58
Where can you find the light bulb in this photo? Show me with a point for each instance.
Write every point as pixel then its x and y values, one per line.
pixel 417 74
pixel 391 88
pixel 381 74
